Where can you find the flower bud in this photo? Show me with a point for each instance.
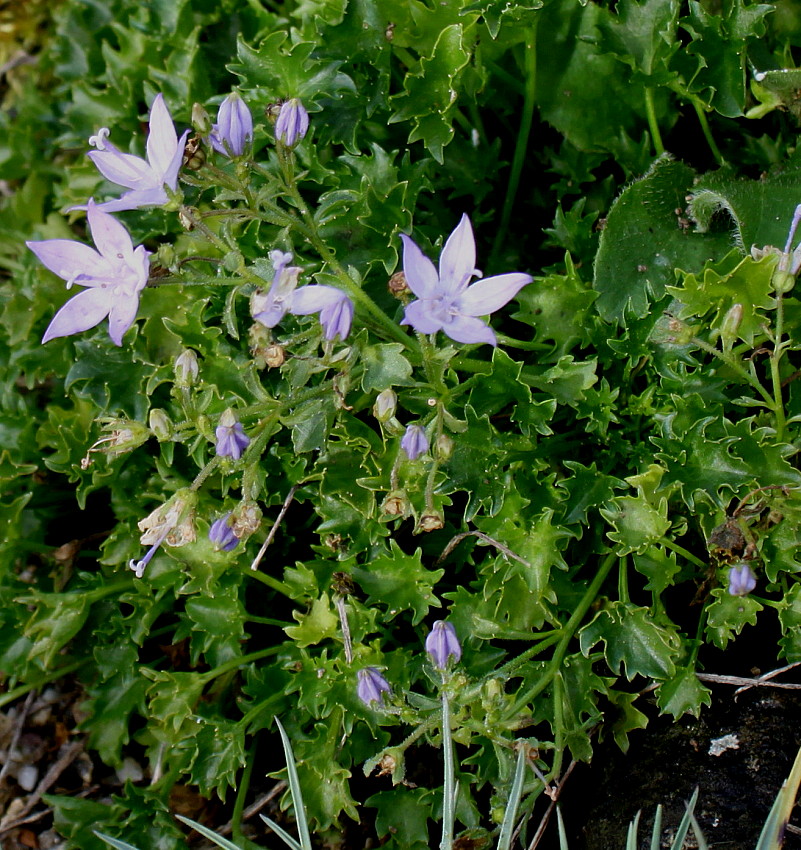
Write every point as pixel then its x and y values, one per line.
pixel 783 282
pixel 730 325
pixel 385 405
pixel 444 447
pixel 233 131
pixel 292 123
pixel 442 644
pixel 414 442
pixel 186 368
pixel 222 535
pixel 741 580
pixel 124 436
pixel 160 424
pixel 372 686
pixel 201 121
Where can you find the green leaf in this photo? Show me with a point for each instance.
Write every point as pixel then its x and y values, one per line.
pixel 727 616
pixel 643 242
pixel 385 367
pixel 430 96
pixel 220 747
pixel 683 694
pixel 402 817
pixel 315 626
pixel 399 582
pixel 632 639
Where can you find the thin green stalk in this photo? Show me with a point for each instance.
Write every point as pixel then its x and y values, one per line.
pixel 449 785
pixel 22 690
pixel 568 631
pixel 523 133
pixel 236 663
pixel 737 368
pixel 680 550
pixel 653 124
pixel 623 580
pixel 775 376
pixel 705 129
pixel 241 793
pixel 271 582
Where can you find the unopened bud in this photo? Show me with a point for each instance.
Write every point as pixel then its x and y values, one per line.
pixel 385 405
pixel 444 447
pixel 201 120
pixel 160 424
pixel 730 325
pixel 783 282
pixel 186 368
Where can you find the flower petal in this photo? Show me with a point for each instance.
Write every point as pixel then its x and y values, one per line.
pixel 170 176
pixel 312 299
pixel 457 261
pixel 486 296
pixel 470 330
pixel 419 315
pixel 421 275
pixel 122 315
pixel 72 260
pixel 83 311
pixel 134 200
pixel 124 169
pixel 112 239
pixel 162 141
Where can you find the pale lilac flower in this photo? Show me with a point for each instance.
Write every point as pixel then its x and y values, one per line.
pixel 741 580
pixel 145 178
pixel 334 307
pixel 231 437
pixel 414 442
pixel 442 644
pixel 292 123
pixel 222 534
pixel 114 275
pixel 445 301
pixel 234 128
pixel 372 686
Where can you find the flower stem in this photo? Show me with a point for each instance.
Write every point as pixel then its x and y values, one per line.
pixel 523 133
pixel 449 784
pixel 653 124
pixel 710 140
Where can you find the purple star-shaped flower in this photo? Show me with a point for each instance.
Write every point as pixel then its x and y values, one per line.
pixel 234 127
pixel 741 580
pixel 334 307
pixel 222 535
pixel 114 275
pixel 445 301
pixel 145 178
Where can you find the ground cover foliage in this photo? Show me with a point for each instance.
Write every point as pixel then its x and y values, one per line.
pixel 586 485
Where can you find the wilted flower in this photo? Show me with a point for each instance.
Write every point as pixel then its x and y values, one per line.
pixel 171 522
pixel 115 274
pixel 741 580
pixel 372 686
pixel 414 442
pixel 292 123
pixel 231 437
pixel 145 178
pixel 442 644
pixel 222 534
pixel 445 301
pixel 234 127
pixel 334 307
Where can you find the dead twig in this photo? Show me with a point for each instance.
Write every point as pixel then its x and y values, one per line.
pixel 18 727
pixel 538 835
pixel 274 529
pixel 487 539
